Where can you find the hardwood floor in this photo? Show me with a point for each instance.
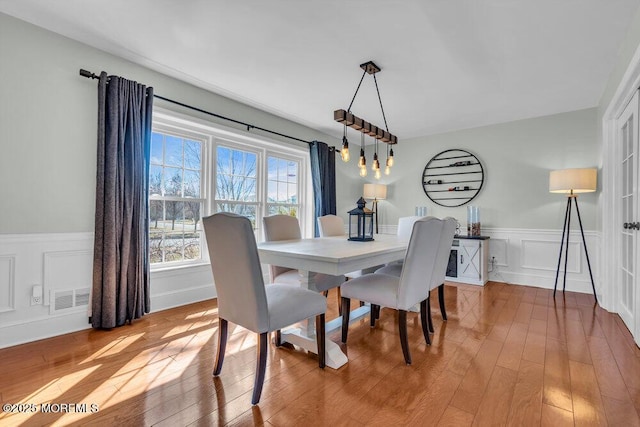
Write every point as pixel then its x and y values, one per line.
pixel 508 355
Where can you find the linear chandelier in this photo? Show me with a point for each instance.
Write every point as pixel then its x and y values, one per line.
pixel 349 119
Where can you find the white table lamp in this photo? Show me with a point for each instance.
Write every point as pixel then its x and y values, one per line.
pixel 375 192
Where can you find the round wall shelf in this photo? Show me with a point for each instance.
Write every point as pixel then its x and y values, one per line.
pixel 453 178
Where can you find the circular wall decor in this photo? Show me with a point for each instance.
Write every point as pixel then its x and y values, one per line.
pixel 452 178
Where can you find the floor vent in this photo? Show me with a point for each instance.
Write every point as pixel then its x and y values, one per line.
pixel 69 300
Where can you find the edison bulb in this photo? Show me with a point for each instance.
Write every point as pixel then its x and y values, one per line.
pixel 378 174
pixel 344 153
pixel 363 172
pixel 387 170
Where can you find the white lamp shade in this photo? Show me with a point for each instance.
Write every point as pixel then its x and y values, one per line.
pixel 573 181
pixel 375 191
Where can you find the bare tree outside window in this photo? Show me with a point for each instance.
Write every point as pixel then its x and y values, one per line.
pixel 175 198
pixel 236 182
pixel 248 180
pixel 282 187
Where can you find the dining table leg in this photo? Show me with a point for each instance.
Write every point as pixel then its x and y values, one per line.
pixel 304 334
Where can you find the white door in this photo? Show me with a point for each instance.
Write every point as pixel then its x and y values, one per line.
pixel 628 304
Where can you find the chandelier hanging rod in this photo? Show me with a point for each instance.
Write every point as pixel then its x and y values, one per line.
pixel 349 119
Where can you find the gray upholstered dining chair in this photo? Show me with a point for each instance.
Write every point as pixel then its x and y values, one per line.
pixel 395 269
pixel 330 225
pixel 425 261
pixel 244 300
pixel 405 226
pixel 285 227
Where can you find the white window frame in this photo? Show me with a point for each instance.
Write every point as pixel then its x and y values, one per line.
pixel 214 134
pixel 271 153
pixel 205 140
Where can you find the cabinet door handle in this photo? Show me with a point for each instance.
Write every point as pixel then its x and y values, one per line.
pixel 461 259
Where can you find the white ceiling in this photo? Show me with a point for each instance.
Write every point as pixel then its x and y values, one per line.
pixel 446 64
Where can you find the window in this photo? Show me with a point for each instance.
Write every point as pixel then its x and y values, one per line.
pixel 175 198
pixel 197 170
pixel 237 182
pixel 282 187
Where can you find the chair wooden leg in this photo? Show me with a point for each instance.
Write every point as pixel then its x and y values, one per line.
pixel 424 321
pixel 261 364
pixel 320 339
pixel 429 318
pixel 441 300
pixel 278 338
pixel 404 342
pixel 373 315
pixel 223 327
pixel 339 292
pixel 346 308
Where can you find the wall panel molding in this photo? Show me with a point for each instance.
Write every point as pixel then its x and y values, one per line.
pixel 543 255
pixel 66 270
pixel 7 283
pixel 536 252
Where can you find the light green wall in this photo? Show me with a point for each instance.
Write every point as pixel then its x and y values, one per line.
pixel 48 117
pixel 517 157
pixel 48 133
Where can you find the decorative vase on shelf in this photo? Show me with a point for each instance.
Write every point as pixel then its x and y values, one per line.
pixel 473 221
pixel 421 211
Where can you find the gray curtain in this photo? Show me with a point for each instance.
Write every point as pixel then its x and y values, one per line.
pixel 323 177
pixel 121 262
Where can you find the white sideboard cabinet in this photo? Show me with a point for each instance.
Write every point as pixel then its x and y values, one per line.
pixel 469 260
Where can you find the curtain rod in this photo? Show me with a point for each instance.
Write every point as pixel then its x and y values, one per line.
pixel 90 75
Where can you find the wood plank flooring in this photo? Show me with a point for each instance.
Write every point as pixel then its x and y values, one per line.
pixel 508 355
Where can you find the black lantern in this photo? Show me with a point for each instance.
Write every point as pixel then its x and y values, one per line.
pixel 361 223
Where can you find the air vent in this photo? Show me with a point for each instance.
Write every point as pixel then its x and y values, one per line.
pixel 82 297
pixel 69 300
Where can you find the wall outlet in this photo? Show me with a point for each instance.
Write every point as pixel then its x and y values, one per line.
pixel 36 295
pixel 492 264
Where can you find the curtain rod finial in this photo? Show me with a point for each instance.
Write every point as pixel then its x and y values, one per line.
pixel 87 74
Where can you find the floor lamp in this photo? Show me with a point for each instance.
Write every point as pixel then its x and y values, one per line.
pixel 571 182
pixel 376 192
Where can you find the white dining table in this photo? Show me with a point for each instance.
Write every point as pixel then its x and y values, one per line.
pixel 335 256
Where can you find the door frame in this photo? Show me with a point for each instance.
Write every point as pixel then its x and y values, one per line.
pixel 609 206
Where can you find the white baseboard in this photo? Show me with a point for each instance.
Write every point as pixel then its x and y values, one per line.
pixel 181 297
pixel 41 328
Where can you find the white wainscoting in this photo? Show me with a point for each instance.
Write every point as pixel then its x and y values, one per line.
pixel 530 257
pixel 63 261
